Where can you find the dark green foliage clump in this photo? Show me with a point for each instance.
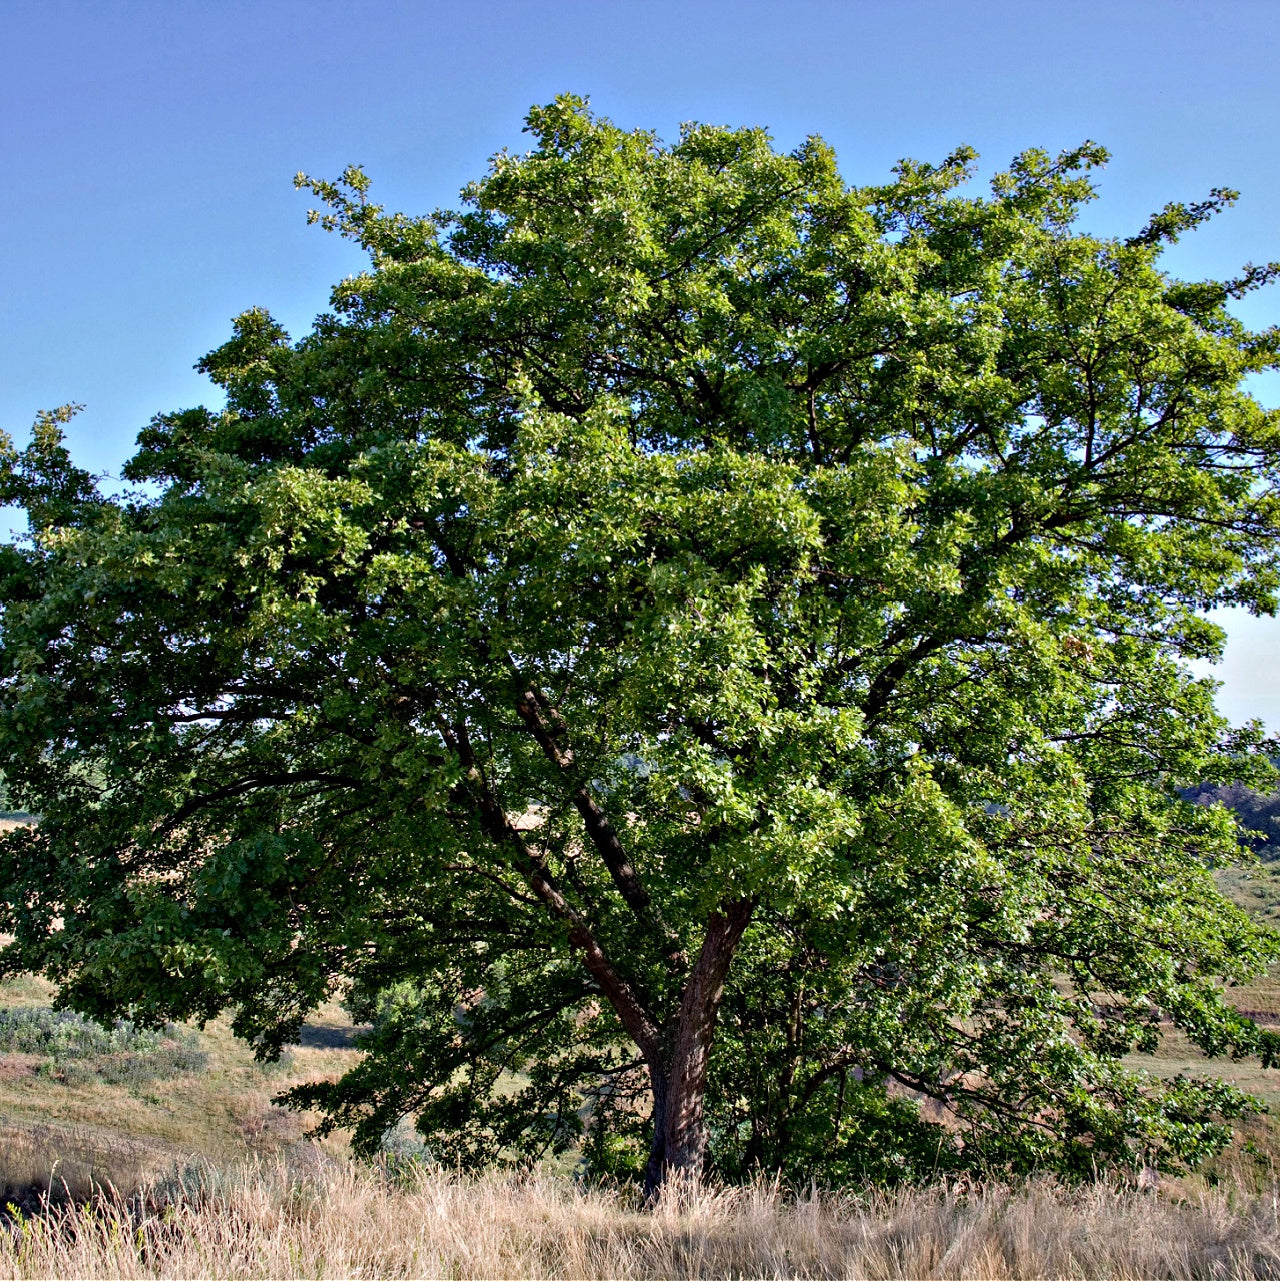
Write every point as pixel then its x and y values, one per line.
pixel 77 1050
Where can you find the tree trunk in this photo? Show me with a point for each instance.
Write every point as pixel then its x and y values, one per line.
pixel 679 1084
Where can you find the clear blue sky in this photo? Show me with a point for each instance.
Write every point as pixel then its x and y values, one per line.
pixel 147 149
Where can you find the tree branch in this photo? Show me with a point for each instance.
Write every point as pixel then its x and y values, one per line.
pixel 549 729
pixel 639 1023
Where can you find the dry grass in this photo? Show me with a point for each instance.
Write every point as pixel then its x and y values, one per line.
pixel 224 1112
pixel 75 1159
pixel 339 1220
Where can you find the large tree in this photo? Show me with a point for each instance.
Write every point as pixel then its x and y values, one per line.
pixel 680 627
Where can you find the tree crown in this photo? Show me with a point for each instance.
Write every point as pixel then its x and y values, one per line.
pixel 675 568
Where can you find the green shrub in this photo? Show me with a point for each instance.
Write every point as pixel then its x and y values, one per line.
pixel 78 1051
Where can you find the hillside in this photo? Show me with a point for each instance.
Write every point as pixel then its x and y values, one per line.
pixel 1257 813
pixel 83 1111
pixel 75 1112
pixel 231 1186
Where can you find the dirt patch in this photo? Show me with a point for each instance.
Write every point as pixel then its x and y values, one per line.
pixel 14 1067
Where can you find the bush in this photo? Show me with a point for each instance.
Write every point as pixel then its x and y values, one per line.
pixel 78 1051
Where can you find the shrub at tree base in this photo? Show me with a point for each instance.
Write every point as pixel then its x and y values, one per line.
pixel 697 650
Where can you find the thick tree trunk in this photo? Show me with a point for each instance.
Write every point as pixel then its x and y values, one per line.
pixel 657 1165
pixel 679 1084
pixel 677 1053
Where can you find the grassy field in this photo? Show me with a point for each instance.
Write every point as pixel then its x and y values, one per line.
pixel 178 1164
pixel 77 1121
pixel 343 1221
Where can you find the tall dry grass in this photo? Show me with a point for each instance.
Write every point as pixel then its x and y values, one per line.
pixel 343 1221
pixel 74 1160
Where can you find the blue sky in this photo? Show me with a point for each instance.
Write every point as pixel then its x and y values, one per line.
pixel 148 149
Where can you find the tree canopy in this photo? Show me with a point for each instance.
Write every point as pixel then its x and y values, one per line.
pixel 695 652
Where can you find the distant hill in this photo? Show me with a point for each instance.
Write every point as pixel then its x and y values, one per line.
pixel 1258 814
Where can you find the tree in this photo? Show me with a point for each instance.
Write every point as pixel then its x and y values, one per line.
pixel 683 628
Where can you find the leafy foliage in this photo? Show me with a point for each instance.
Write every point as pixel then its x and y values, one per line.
pixel 680 628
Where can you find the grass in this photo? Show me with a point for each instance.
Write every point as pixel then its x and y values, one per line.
pixel 337 1220
pixel 199 1175
pixel 1177 1055
pixel 128 1152
pixel 117 1106
pixel 64 1046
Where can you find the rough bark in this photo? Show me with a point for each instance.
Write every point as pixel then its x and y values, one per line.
pixel 680 1140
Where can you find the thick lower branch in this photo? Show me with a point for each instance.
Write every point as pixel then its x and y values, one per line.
pixel 637 1021
pixel 548 729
